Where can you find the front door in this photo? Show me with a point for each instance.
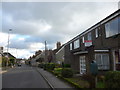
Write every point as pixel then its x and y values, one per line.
pixel 82 64
pixel 117 59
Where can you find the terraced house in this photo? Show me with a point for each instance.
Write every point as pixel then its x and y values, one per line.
pixel 100 42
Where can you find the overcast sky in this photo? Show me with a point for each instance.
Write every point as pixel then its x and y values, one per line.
pixel 34 22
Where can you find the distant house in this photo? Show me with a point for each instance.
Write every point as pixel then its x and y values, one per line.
pixel 1 53
pixel 11 58
pixel 8 55
pixel 46 56
pixel 100 42
pixel 60 55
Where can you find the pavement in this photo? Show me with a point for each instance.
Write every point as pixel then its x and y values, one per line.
pixel 56 82
pixel 3 70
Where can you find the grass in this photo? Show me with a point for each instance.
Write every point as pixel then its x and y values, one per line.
pixel 79 82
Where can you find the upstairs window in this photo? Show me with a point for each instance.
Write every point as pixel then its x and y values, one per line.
pixel 96 32
pixel 76 44
pixel 88 40
pixel 111 28
pixel 83 40
pixel 71 46
pixel 89 36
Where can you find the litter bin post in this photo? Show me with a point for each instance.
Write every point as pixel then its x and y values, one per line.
pixel 94 71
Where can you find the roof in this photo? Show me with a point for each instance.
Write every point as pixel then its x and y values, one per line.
pixel 116 13
pixel 9 54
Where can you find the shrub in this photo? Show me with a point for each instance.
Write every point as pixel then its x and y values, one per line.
pixel 58 66
pixel 45 66
pixel 101 78
pixel 90 78
pixel 4 61
pixel 41 65
pixel 49 66
pixel 67 65
pixel 67 72
pixel 57 71
pixel 112 79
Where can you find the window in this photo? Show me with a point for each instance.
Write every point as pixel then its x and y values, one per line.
pixel 71 46
pixel 83 39
pixel 103 61
pixel 111 27
pixel 96 32
pixel 76 44
pixel 119 25
pixel 88 40
pixel 89 36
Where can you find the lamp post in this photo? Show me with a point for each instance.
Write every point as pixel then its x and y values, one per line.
pixel 8 45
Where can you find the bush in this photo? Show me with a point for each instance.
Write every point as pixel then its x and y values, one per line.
pixel 58 66
pixel 90 78
pixel 101 78
pixel 57 71
pixel 41 65
pixel 67 65
pixel 4 61
pixel 49 66
pixel 67 72
pixel 45 66
pixel 112 79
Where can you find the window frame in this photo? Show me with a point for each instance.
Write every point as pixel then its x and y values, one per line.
pixel 76 44
pixel 83 39
pixel 102 65
pixel 109 32
pixel 96 33
pixel 89 36
pixel 71 46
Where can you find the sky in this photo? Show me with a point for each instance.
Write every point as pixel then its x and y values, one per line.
pixel 33 22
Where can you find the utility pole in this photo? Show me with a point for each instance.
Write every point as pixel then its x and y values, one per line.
pixel 45 51
pixel 8 46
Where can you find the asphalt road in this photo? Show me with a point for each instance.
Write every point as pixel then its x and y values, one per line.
pixel 23 77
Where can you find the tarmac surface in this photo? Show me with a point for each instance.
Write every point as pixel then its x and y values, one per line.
pixel 31 77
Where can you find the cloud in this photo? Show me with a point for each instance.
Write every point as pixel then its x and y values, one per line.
pixel 21 53
pixel 34 22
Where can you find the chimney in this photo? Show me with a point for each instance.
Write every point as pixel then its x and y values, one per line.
pixel 58 45
pixel 1 50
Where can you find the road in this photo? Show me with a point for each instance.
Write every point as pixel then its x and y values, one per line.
pixel 23 77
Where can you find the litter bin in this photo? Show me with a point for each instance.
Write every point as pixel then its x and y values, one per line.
pixel 94 68
pixel 94 72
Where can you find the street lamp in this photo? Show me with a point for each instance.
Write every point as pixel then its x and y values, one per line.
pixel 8 44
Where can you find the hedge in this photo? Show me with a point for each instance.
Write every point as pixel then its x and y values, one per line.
pixel 67 72
pixel 49 66
pixel 57 71
pixel 112 79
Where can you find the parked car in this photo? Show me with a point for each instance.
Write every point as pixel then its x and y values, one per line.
pixel 19 64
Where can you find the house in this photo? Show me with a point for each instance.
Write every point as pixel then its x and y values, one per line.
pixel 11 58
pixel 60 55
pixel 46 56
pixel 1 53
pixel 100 42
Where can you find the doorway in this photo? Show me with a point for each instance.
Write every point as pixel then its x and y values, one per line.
pixel 82 65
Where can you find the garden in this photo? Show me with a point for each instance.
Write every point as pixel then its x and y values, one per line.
pixel 111 79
